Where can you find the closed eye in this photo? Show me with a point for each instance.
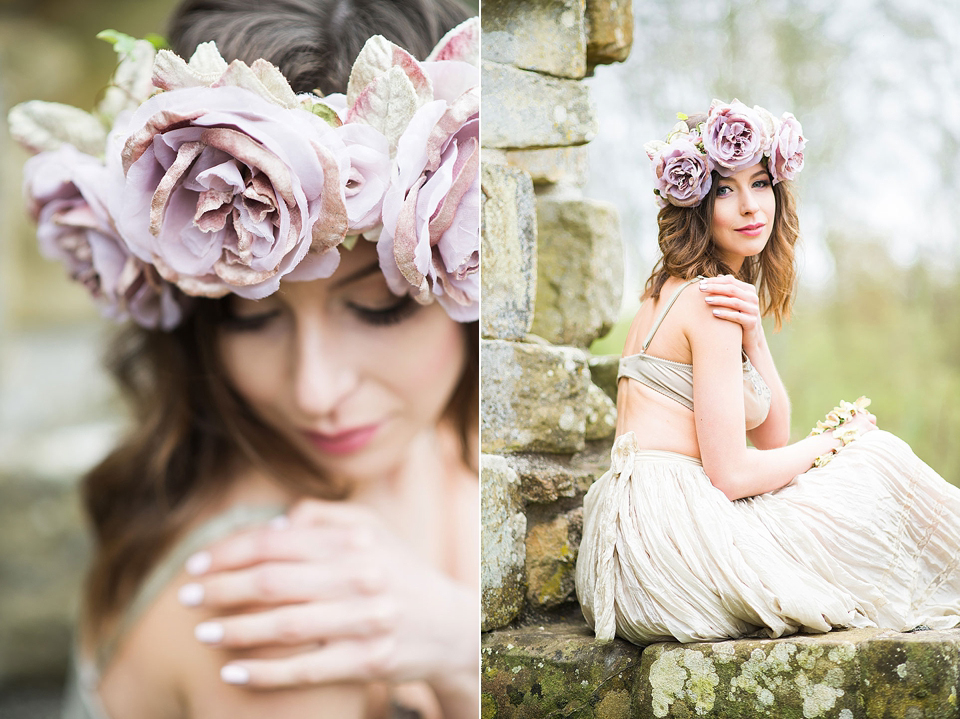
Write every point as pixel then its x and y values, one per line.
pixel 390 315
pixel 248 323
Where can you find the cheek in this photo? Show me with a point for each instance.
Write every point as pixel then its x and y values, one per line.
pixel 427 363
pixel 251 367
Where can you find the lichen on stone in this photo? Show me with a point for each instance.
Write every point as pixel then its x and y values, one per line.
pixel 818 698
pixel 683 674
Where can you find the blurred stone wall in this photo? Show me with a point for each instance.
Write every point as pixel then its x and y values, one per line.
pixel 58 411
pixel 552 283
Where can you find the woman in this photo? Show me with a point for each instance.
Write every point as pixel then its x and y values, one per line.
pixel 296 506
pixel 695 536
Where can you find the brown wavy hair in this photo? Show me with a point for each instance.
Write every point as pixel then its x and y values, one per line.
pixel 189 428
pixel 688 250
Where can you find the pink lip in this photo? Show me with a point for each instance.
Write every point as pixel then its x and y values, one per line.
pixel 344 442
pixel 751 230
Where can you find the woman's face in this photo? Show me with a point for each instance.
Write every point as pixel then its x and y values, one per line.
pixel 743 214
pixel 344 369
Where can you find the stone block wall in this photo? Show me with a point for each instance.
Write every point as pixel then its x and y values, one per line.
pixel 552 283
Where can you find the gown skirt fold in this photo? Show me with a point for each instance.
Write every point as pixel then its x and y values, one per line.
pixel 870 540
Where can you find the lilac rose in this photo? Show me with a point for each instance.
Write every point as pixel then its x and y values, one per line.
pixel 67 193
pixel 786 153
pixel 735 136
pixel 226 191
pixel 682 171
pixel 429 244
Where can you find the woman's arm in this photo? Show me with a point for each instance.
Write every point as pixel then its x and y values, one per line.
pixel 735 469
pixel 737 301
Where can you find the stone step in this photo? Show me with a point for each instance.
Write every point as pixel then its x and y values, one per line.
pixel 556 669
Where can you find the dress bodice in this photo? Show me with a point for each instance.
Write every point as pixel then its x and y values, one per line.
pixel 675 379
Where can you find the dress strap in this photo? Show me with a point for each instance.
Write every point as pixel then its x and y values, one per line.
pixel 663 313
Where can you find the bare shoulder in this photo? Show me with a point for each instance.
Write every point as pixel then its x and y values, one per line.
pixel 161 671
pixel 698 321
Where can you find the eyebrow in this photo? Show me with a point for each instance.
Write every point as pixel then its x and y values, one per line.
pixel 359 274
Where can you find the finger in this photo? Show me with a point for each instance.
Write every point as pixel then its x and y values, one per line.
pixel 265 544
pixel 733 303
pixel 284 583
pixel 729 286
pixel 337 662
pixel 744 320
pixel 301 624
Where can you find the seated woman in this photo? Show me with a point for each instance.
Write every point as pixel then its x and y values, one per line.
pixel 296 506
pixel 692 535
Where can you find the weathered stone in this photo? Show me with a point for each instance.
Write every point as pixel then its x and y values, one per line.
pixel 545 478
pixel 522 109
pixel 548 36
pixel 610 31
pixel 601 414
pixel 552 559
pixel 534 397
pixel 551 670
pixel 856 674
pixel 579 270
pixel 503 530
pixel 557 670
pixel 603 372
pixel 568 165
pixel 508 252
pixel 45 550
pixel 911 675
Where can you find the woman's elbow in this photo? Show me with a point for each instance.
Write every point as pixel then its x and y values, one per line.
pixel 726 481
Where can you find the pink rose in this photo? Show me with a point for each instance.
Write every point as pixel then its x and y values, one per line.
pixel 786 153
pixel 368 175
pixel 228 192
pixel 67 193
pixel 429 245
pixel 682 172
pixel 735 136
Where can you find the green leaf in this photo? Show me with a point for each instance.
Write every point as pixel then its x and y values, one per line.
pixel 349 242
pixel 124 44
pixel 121 42
pixel 326 113
pixel 159 42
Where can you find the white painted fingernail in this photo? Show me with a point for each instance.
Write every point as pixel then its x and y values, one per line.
pixel 199 563
pixel 281 522
pixel 191 595
pixel 209 632
pixel 232 674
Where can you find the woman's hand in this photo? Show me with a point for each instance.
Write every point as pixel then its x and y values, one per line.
pixel 738 302
pixel 862 420
pixel 335 580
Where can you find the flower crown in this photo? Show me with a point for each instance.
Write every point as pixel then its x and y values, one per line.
pixel 203 178
pixel 729 138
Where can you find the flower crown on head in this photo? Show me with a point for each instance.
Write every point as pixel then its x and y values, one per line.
pixel 729 138
pixel 204 178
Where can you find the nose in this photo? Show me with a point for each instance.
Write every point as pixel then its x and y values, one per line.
pixel 322 376
pixel 748 202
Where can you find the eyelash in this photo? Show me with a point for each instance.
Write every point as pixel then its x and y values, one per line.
pixel 250 323
pixel 394 314
pixel 758 183
pixel 391 315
